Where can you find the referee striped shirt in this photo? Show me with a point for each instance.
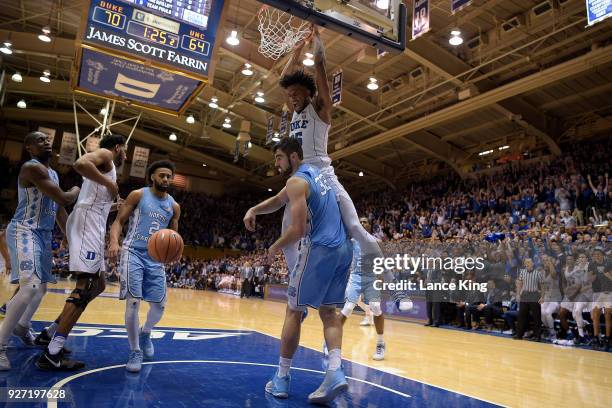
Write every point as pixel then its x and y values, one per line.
pixel 531 280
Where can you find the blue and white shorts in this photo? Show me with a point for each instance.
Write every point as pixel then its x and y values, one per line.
pixel 31 254
pixel 320 275
pixel 141 277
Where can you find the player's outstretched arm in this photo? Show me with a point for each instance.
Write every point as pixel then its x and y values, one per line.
pixel 297 192
pixel 175 218
pixel 4 252
pixel 60 219
pixel 38 175
pixel 323 101
pixel 87 166
pixel 267 206
pixel 127 207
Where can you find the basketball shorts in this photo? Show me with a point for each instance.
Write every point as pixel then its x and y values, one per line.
pixel 332 180
pixel 358 285
pixel 141 277
pixel 30 253
pixel 602 300
pixel 320 275
pixel 86 231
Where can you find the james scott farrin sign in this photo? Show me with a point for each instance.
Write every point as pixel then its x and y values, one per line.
pixel 114 77
pixel 176 42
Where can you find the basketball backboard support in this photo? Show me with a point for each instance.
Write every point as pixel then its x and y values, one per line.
pixel 382 28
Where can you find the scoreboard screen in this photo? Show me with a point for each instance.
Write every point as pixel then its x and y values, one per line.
pixel 194 12
pixel 176 34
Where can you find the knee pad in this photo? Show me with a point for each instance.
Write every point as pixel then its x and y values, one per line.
pixel 347 310
pixel 81 297
pixel 375 308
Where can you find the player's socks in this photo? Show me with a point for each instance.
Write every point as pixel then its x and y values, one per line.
pixel 380 338
pixel 335 359
pixel 52 328
pixel 581 332
pixel 145 343
pixel 284 364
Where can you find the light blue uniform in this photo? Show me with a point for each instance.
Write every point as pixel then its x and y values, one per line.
pixel 324 260
pixel 358 282
pixel 141 276
pixel 30 232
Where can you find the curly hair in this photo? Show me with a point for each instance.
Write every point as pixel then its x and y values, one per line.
pixel 299 78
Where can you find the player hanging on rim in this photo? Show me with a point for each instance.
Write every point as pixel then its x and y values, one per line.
pixel 319 278
pixel 86 232
pixel 149 209
pixel 310 100
pixel 29 235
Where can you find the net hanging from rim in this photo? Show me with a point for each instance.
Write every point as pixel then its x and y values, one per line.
pixel 280 32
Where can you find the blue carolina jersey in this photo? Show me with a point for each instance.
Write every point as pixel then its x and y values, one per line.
pixel 151 215
pixel 325 225
pixel 356 265
pixel 35 210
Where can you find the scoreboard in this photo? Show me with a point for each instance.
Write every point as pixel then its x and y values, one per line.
pixel 150 52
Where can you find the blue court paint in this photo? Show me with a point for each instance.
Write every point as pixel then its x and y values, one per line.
pixel 208 368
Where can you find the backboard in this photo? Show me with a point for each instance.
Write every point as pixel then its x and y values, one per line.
pixel 379 23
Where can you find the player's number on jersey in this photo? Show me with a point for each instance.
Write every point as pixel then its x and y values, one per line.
pixel 323 184
pixel 154 227
pixel 298 136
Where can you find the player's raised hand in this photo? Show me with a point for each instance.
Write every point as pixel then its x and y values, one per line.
pixel 249 220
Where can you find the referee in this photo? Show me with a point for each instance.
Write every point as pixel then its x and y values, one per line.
pixel 529 289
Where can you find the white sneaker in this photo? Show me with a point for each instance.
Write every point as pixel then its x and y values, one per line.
pixel 366 322
pixel 380 352
pixel 5 364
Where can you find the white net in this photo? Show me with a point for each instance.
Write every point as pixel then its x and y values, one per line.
pixel 280 32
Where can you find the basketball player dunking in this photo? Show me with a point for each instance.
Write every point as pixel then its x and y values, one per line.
pixel 310 100
pixel 319 278
pixel 86 232
pixel 29 235
pixel 149 209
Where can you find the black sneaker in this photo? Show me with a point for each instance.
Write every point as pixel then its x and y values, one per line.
pixel 43 339
pixel 57 362
pixel 607 343
pixel 597 343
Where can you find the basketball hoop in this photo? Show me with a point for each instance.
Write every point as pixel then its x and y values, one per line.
pixel 280 32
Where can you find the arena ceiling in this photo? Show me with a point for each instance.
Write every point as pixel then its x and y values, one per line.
pixel 525 78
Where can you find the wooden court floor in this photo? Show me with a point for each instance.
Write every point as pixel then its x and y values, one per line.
pixel 498 370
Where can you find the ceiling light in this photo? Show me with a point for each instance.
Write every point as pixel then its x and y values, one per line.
pixel 22 104
pixel 504 147
pixel 247 69
pixel 259 98
pixel 382 4
pixel 249 145
pixel 190 119
pixel 276 139
pixel 361 174
pixel 213 102
pixel 17 77
pixel 45 76
pixel 103 111
pixel 485 152
pixel 270 190
pixel 373 84
pixel 456 38
pixel 227 123
pixel 46 30
pixel 309 62
pixel 172 137
pixel 203 164
pixel 6 48
pixel 233 38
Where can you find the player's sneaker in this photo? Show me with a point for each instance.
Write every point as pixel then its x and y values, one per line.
pixel 57 362
pixel 597 343
pixel 333 385
pixel 279 386
pixel 380 352
pixel 146 345
pixel 25 335
pixel 134 363
pixel 582 341
pixel 367 321
pixel 44 338
pixel 5 364
pixel 3 310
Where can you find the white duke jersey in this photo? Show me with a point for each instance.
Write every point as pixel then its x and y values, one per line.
pixel 95 196
pixel 312 133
